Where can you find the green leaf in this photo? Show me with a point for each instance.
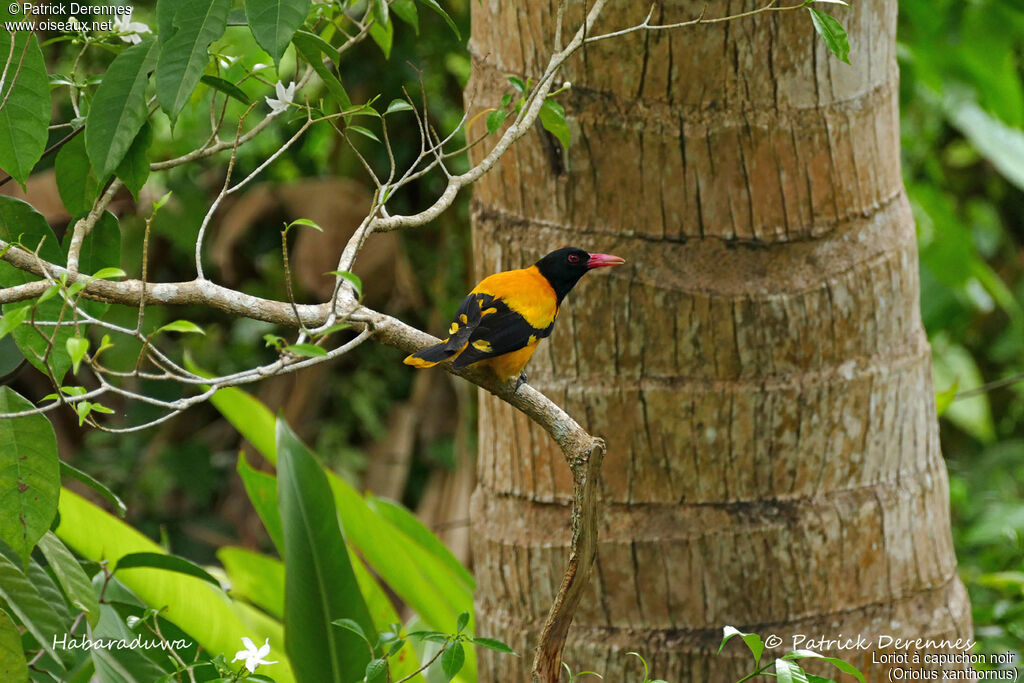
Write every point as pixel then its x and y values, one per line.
pixel 13 318
pixel 183 326
pixel 376 670
pixel 432 4
pixel 495 120
pixel 398 105
pixel 406 11
pixel 518 84
pixel 462 622
pixel 77 348
pixel 171 563
pixel 274 22
pixel 319 582
pixel 494 644
pixel 25 117
pixel 363 131
pixel 76 182
pixel 10 357
pixel 1000 144
pixel 306 222
pixel 311 46
pixel 351 625
pixel 67 470
pixel 29 475
pixel 262 491
pixel 787 672
pixel 184 53
pixel 13 666
pixel 411 526
pixel 943 399
pixel 226 87
pixel 72 577
pixel 19 220
pixel 383 33
pixel 108 274
pixel 307 350
pixel 119 107
pixel 34 612
pixel 249 416
pixel 352 278
pixel 380 11
pixel 217 627
pixel 255 577
pixel 452 660
pixel 832 32
pixel 840 664
pixel 134 168
pixel 552 117
pixel 752 640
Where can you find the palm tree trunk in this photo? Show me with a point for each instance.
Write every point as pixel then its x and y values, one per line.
pixel 759 368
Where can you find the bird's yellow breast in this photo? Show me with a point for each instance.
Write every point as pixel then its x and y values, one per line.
pixel 526 292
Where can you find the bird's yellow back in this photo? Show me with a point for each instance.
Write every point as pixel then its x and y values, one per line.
pixel 525 291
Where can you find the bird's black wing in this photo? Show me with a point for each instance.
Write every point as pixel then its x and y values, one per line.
pixel 496 331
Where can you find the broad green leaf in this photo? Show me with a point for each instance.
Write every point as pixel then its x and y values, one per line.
pixel 752 640
pixel 13 666
pixel 552 117
pixel 397 106
pixel 494 644
pixel 184 53
pixel 495 120
pixel 77 348
pixel 366 132
pixel 307 350
pixel 134 168
pixel 119 107
pixel 250 417
pixel 76 182
pixel 108 274
pixel 19 220
pixel 953 363
pixel 787 672
pixel 462 622
pixel 306 222
pixel 12 318
pixel 274 22
pixel 352 278
pixel 219 626
pixel 10 356
pixel 406 11
pixel 183 326
pixel 832 32
pixel 25 117
pixel 34 612
pixel 262 491
pixel 255 577
pixel 407 523
pixel 171 563
pixel 29 475
pixel 453 660
pixel 376 671
pixel 226 87
pixel 319 582
pixel 432 4
pixel 311 47
pixel 73 579
pixel 840 664
pixel 383 33
pixel 1000 144
pixel 67 470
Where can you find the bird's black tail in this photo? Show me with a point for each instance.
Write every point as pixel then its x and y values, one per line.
pixel 430 356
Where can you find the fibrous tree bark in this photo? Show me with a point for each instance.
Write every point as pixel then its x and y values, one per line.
pixel 759 369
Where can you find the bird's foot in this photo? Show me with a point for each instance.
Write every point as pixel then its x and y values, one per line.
pixel 521 380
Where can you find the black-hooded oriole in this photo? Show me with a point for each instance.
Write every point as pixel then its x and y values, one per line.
pixel 503 319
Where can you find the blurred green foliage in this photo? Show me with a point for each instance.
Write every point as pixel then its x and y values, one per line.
pixel 962 101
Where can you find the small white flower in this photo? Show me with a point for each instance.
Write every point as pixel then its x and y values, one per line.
pixel 252 655
pixel 259 67
pixel 566 85
pixel 284 98
pixel 129 30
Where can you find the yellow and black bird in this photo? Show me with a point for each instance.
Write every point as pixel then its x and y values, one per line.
pixel 503 319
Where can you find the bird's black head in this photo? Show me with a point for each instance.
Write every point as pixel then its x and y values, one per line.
pixel 564 267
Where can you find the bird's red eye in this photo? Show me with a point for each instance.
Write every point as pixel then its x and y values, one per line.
pixel 574 258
